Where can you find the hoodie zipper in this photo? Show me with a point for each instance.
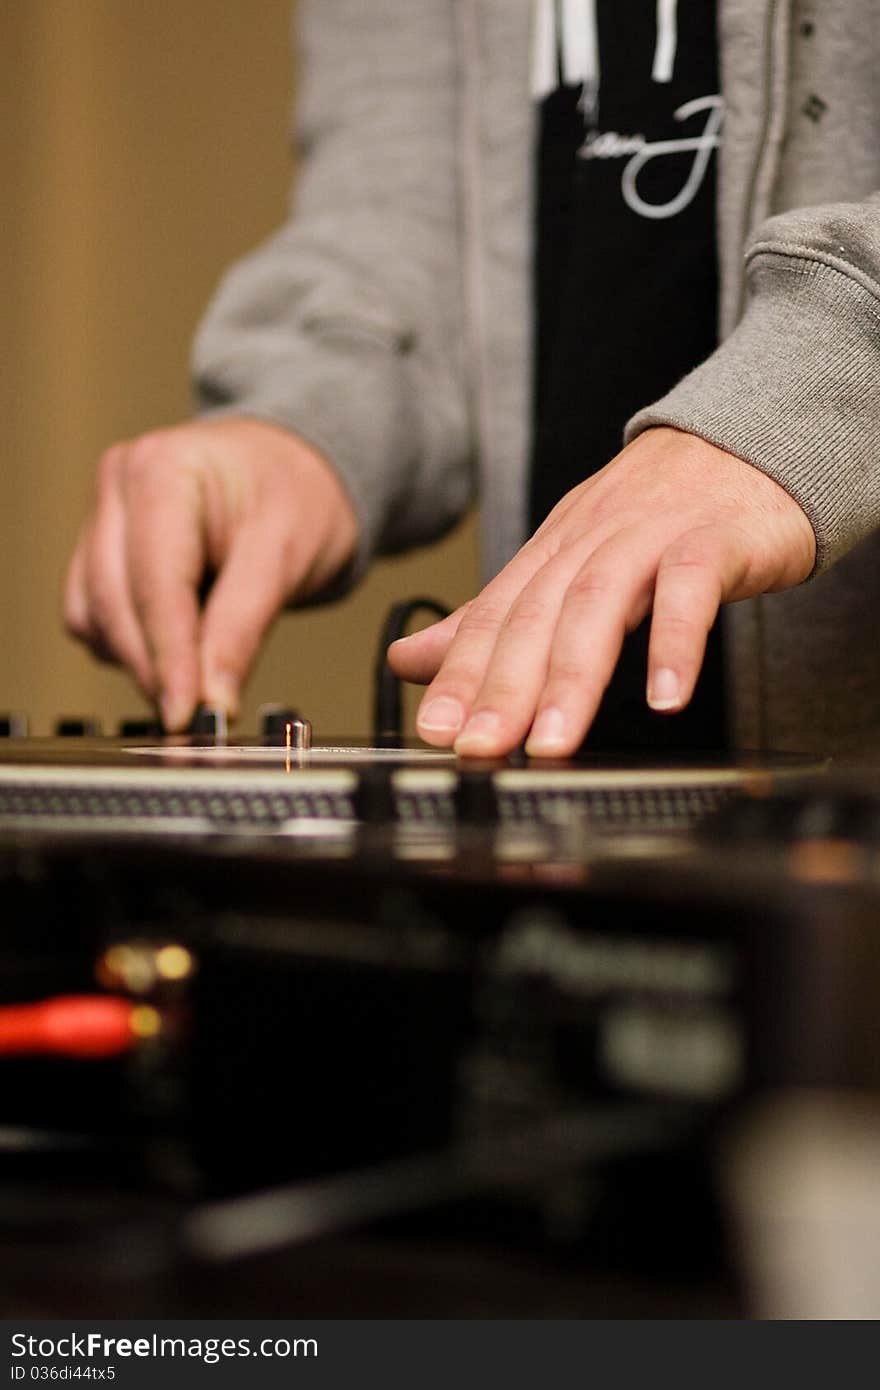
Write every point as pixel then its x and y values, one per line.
pixel 473 219
pixel 761 151
pixel 749 210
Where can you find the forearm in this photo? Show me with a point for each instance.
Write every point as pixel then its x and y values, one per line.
pixel 346 326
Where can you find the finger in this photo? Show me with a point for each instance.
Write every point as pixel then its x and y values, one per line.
pixel 75 605
pixel 251 588
pixel 418 657
pixel 448 699
pixel 115 627
pixel 608 597
pixel 504 705
pixel 77 616
pixel 691 579
pixel 166 562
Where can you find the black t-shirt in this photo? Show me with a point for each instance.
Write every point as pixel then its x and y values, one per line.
pixel 625 271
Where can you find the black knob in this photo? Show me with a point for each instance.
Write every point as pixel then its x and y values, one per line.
pixel 274 720
pixel 140 728
pixel 208 722
pixel 71 726
pixel 13 726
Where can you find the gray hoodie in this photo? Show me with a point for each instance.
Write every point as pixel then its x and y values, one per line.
pixel 389 321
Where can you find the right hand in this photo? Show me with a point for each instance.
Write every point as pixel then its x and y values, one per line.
pixel 237 499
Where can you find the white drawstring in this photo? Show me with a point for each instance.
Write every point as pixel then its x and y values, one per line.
pixel 579 45
pixel 667 40
pixel 545 54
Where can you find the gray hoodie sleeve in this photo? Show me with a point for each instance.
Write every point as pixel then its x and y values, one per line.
pixel 795 389
pixel 346 326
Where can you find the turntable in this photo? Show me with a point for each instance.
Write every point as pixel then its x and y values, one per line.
pixel 527 997
pixel 283 783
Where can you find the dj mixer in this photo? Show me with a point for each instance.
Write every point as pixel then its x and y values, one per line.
pixel 277 1003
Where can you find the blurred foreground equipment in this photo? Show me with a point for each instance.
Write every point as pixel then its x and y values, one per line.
pixel 445 1040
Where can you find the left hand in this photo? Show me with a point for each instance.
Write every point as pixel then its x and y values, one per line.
pixel 673 526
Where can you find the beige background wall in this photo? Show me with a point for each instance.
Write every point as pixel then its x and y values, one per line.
pixel 142 147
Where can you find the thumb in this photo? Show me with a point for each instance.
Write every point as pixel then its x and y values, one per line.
pixel 418 657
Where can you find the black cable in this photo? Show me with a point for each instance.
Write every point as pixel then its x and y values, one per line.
pixel 388 701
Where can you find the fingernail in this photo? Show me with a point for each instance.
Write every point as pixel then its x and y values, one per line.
pixel 442 715
pixel 221 690
pixel 479 733
pixel 664 691
pixel 548 732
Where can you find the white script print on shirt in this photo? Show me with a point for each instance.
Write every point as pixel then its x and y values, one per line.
pixel 566 40
pixel 611 145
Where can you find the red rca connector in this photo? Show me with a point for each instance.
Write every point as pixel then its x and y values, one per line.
pixel 84 1026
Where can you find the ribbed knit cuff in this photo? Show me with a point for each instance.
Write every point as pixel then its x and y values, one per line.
pixel 795 390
